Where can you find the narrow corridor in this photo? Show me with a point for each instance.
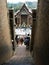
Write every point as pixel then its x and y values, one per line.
pixel 21 57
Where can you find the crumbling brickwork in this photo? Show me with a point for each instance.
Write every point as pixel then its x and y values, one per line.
pixel 41 42
pixel 5 39
pixel 34 23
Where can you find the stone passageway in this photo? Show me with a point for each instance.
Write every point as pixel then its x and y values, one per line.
pixel 21 57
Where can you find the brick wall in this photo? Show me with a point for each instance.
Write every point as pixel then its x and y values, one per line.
pixel 5 39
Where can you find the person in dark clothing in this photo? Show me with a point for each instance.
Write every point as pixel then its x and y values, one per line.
pixel 27 41
pixel 16 38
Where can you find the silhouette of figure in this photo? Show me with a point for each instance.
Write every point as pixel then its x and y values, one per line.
pixel 16 38
pixel 27 41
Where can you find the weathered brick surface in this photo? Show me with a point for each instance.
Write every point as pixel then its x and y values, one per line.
pixel 34 23
pixel 5 41
pixel 41 47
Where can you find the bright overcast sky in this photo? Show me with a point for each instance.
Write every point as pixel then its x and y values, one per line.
pixel 16 1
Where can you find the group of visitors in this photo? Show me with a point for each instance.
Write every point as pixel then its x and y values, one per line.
pixel 25 40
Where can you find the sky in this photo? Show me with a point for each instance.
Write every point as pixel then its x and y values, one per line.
pixel 16 1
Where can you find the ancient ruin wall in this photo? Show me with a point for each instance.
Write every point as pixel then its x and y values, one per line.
pixel 5 40
pixel 34 23
pixel 41 45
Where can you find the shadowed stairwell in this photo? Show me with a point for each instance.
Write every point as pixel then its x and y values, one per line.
pixel 21 57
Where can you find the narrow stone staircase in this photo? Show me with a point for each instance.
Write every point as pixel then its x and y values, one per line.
pixel 21 57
